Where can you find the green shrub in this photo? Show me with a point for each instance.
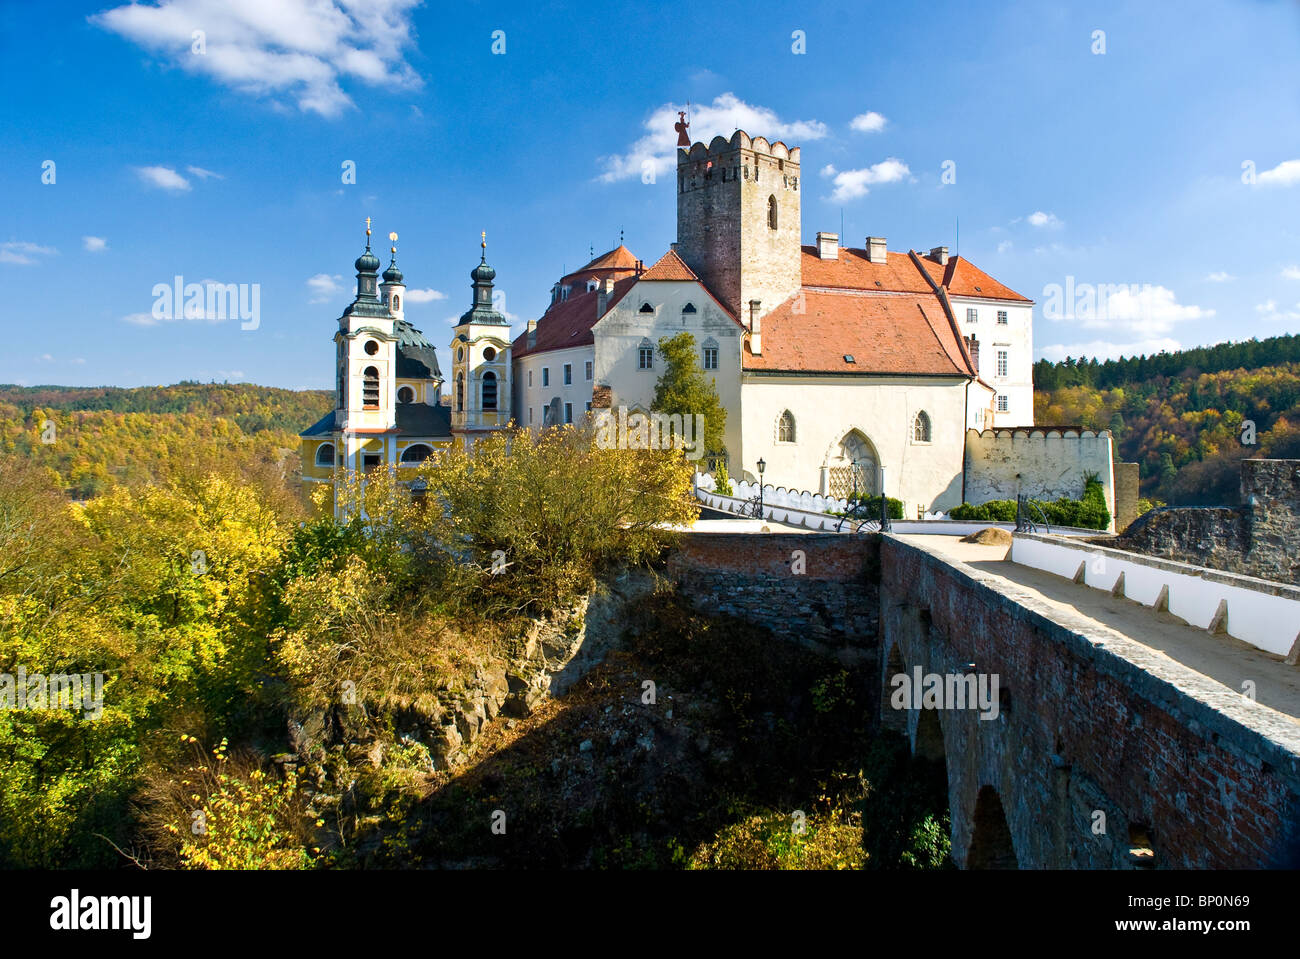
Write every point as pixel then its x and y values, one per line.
pixel 723 481
pixel 1088 512
pixel 870 505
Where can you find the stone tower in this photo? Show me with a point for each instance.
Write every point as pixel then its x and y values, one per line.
pixel 738 224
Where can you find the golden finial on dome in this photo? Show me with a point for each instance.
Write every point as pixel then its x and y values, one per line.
pixel 367 226
pixel 393 237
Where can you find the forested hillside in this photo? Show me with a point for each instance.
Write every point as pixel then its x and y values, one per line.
pixel 96 438
pixel 1188 418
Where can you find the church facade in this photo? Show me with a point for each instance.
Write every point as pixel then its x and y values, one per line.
pixel 840 367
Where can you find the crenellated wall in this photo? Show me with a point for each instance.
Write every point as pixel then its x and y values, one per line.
pixel 1041 463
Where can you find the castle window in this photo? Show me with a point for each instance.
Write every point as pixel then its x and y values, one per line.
pixel 1002 363
pixel 568 412
pixel 588 369
pixel 688 308
pixel 710 354
pixel 371 347
pixel 921 428
pixel 546 376
pixel 972 315
pixel 1002 317
pixel 785 428
pixel 646 308
pixel 645 354
pixel 1002 403
pixel 568 374
pixel 771 212
pixel 406 395
pixel 489 354
pixel 370 389
pixel 530 379
pixel 460 392
pixel 417 453
pixel 397 302
pixel 325 454
pixel 489 391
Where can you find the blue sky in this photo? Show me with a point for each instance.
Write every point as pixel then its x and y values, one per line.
pixel 1128 166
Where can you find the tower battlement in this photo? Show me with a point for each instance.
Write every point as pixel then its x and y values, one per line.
pixel 738 220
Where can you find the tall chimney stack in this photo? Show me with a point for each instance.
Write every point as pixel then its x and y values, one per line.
pixel 755 328
pixel 876 249
pixel 828 246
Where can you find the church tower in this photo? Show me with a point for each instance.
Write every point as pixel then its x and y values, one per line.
pixel 481 367
pixel 367 363
pixel 738 221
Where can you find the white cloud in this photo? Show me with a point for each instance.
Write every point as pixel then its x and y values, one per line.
pixel 164 178
pixel 141 319
pixel 1291 272
pixel 869 122
pixel 1107 350
pixel 852 184
pixel 24 254
pixel 296 48
pixel 47 358
pixel 94 244
pixel 1269 313
pixel 656 151
pixel 424 296
pixel 78 361
pixel 1286 173
pixel 1004 246
pixel 1220 277
pixel 1154 310
pixel 324 287
pixel 203 174
pixel 1040 219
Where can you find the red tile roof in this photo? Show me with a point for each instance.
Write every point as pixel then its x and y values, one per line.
pixel 962 278
pixel 851 270
pixel 618 260
pixel 670 267
pixel 899 334
pixel 569 322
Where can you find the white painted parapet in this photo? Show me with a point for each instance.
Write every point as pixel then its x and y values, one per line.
pixel 1257 611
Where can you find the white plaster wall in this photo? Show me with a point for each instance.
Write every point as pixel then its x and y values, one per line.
pixel 1017 338
pixel 619 334
pixel 883 409
pixel 1045 465
pixel 536 397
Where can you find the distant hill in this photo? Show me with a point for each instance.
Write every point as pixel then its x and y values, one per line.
pixel 95 437
pixel 1184 416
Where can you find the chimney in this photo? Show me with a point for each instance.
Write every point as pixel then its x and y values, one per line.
pixel 940 255
pixel 828 246
pixel 755 328
pixel 532 333
pixel 602 297
pixel 876 249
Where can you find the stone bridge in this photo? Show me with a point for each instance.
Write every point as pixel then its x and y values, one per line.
pixel 1107 751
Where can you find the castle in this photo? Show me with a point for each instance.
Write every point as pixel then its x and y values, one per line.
pixel 840 367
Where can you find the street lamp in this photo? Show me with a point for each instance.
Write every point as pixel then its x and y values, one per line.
pixel 884 504
pixel 761 466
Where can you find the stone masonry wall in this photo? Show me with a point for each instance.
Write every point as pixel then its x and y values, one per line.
pixel 1261 538
pixel 818 590
pixel 1089 722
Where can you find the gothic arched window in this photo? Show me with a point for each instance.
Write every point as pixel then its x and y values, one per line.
pixel 771 212
pixel 370 388
pixel 785 428
pixel 921 428
pixel 489 391
pixel 460 392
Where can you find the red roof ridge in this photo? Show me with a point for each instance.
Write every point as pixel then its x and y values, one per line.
pixel 670 266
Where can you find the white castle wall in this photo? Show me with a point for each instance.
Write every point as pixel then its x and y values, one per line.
pixel 1044 464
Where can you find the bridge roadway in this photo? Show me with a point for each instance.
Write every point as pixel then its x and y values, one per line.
pixel 1222 658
